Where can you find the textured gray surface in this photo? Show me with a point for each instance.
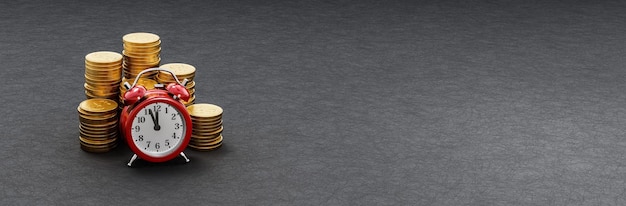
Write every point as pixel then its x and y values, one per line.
pixel 334 102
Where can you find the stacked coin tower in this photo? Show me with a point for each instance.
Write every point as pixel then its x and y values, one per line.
pixel 103 74
pixel 145 82
pixel 207 126
pixel 98 125
pixel 182 71
pixel 141 51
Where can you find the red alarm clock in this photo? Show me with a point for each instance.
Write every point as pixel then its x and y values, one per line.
pixel 155 123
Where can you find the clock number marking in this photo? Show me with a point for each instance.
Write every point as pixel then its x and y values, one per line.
pixel 177 126
pixel 157 108
pixel 166 110
pixel 167 142
pixel 140 138
pixel 174 136
pixel 157 145
pixel 141 119
pixel 148 144
pixel 136 128
pixel 173 115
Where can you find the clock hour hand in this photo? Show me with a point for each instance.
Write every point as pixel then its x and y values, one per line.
pixel 155 120
pixel 157 126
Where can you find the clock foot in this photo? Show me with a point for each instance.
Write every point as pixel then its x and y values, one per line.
pixel 186 159
pixel 132 159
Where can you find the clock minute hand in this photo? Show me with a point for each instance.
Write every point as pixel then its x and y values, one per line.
pixel 157 127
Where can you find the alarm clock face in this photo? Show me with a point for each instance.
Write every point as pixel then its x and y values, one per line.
pixel 158 129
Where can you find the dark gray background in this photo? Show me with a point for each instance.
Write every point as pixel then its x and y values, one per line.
pixel 333 102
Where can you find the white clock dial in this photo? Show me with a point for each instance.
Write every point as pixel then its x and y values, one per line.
pixel 158 129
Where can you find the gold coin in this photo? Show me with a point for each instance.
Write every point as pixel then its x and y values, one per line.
pixel 204 110
pixel 98 105
pixel 103 57
pixel 95 126
pixel 97 115
pixel 138 48
pixel 102 117
pixel 96 142
pixel 102 92
pixel 93 96
pixel 103 82
pixel 98 67
pixel 206 134
pixel 110 126
pixel 205 138
pixel 146 46
pixel 95 120
pixel 204 120
pixel 94 133
pixel 142 54
pixel 179 69
pixel 190 85
pixel 140 38
pixel 98 137
pixel 206 129
pixel 201 133
pixel 104 75
pixel 141 66
pixel 207 148
pixel 99 118
pixel 140 58
pixel 141 63
pixel 88 143
pixel 206 125
pixel 98 123
pixel 82 111
pixel 96 94
pixel 87 148
pixel 104 130
pixel 167 77
pixel 101 88
pixel 102 71
pixel 210 142
pixel 195 135
pixel 97 149
pixel 99 130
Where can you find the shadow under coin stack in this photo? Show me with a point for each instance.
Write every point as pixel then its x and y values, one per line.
pixel 207 127
pixel 147 83
pixel 98 125
pixel 141 51
pixel 182 71
pixel 103 74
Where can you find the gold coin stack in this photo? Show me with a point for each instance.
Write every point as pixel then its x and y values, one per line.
pixel 182 71
pixel 103 74
pixel 206 134
pixel 141 51
pixel 98 125
pixel 147 83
